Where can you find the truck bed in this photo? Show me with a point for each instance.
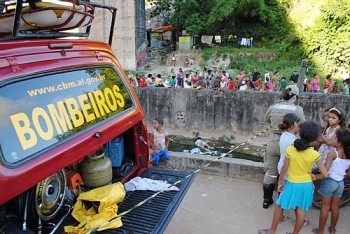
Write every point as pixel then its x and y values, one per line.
pixel 154 215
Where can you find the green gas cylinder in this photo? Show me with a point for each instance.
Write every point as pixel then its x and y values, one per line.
pixel 96 170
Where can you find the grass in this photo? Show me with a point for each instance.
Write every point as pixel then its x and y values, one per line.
pixel 207 53
pixel 250 58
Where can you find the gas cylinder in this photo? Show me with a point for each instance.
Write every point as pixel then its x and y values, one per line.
pixel 96 170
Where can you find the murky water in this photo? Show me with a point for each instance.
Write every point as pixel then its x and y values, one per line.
pixel 249 152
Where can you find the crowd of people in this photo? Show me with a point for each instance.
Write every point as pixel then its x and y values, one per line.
pixel 296 147
pixel 221 80
pixel 295 150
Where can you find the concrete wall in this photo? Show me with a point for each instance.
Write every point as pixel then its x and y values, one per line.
pixel 214 114
pixel 124 37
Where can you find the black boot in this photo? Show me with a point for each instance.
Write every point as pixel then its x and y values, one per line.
pixel 268 192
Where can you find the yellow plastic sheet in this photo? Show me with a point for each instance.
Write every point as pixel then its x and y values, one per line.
pixel 108 196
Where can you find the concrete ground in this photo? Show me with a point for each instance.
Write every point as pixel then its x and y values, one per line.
pixel 217 204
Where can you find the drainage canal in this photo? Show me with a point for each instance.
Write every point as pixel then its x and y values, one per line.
pixel 247 151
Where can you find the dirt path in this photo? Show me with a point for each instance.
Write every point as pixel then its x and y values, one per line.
pixel 216 204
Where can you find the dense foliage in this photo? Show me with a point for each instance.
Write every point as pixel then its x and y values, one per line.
pixel 316 29
pixel 325 37
pixel 258 18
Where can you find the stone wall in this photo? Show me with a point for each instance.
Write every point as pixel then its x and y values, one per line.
pixel 213 114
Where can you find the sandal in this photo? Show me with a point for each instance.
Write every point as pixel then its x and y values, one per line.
pixel 264 231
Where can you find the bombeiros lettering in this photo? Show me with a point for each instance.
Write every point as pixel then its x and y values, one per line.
pixel 63 116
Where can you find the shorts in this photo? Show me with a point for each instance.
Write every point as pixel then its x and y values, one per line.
pixel 160 155
pixel 330 188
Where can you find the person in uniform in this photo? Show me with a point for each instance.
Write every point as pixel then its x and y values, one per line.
pixel 274 116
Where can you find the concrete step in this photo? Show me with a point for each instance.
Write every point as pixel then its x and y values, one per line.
pixel 227 167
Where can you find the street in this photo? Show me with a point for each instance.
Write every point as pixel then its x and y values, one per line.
pixel 216 204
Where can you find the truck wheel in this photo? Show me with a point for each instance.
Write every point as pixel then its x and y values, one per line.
pixel 42 201
pixel 50 194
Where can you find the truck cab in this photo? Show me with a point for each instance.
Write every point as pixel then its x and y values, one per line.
pixel 66 103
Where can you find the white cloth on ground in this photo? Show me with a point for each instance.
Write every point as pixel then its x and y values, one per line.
pixel 139 183
pixel 195 150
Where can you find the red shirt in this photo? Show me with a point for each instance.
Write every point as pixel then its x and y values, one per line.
pixel 142 83
pixel 327 83
pixel 230 85
pixel 257 84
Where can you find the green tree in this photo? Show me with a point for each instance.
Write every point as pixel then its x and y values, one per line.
pixel 230 9
pixel 325 35
pixel 258 18
pixel 318 28
pixel 189 15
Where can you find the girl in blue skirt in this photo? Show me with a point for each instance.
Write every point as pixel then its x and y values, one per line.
pixel 298 192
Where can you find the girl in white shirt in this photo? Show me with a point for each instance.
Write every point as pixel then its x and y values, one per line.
pixel 290 126
pixel 159 142
pixel 331 190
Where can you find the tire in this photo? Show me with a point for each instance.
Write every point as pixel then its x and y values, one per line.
pixel 345 199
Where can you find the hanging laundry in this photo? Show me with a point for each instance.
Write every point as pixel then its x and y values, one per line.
pixel 218 39
pixel 244 41
pixel 239 40
pixel 207 39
